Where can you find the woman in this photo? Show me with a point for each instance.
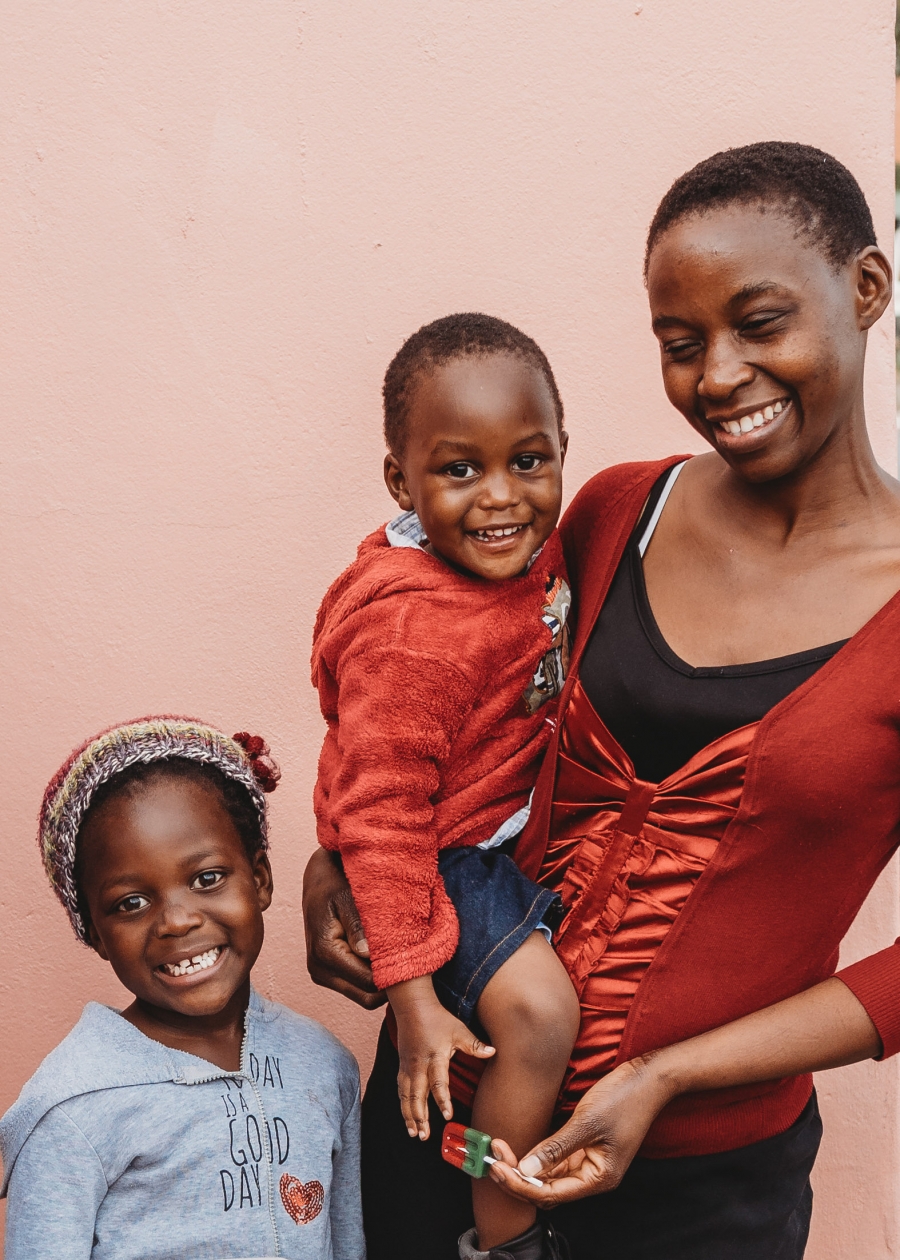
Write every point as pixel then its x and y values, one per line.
pixel 725 784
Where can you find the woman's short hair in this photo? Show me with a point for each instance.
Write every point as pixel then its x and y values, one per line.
pixel 812 188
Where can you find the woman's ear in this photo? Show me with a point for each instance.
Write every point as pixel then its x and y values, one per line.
pixel 874 285
pixel 563 446
pixel 395 480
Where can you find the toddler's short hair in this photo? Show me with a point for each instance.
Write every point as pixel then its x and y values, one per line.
pixel 813 188
pixel 123 758
pixel 453 337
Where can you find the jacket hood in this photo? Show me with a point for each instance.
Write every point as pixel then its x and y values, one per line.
pixel 380 571
pixel 103 1051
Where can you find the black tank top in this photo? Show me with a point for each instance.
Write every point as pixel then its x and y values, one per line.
pixel 660 709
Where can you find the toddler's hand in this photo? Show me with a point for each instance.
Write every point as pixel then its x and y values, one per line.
pixel 428 1037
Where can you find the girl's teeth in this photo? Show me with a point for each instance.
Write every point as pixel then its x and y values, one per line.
pixel 746 424
pixel 191 965
pixel 769 413
pixel 778 408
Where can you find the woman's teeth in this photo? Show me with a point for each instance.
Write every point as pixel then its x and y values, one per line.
pixel 190 965
pixel 485 535
pixel 755 420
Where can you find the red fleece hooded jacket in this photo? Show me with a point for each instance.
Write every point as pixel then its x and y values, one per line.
pixel 432 683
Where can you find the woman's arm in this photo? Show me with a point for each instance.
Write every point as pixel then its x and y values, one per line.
pixel 337 953
pixel 824 1027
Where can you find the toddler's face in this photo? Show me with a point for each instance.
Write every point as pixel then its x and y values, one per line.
pixel 483 464
pixel 175 902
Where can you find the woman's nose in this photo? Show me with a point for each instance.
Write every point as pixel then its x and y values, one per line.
pixel 724 368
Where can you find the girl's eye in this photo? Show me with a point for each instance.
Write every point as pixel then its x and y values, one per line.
pixel 208 879
pixel 459 471
pixel 527 463
pixel 130 905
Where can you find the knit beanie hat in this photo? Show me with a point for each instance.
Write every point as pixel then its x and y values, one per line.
pixel 244 758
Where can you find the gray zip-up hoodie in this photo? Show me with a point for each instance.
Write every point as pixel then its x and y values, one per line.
pixel 119 1148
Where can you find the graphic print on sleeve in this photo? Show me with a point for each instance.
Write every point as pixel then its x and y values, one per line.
pixel 551 672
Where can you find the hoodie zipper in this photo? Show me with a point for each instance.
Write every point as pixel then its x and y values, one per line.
pixel 242 1072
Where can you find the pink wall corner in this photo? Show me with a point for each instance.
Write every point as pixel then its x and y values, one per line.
pixel 218 223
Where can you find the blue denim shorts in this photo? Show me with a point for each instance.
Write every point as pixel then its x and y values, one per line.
pixel 498 908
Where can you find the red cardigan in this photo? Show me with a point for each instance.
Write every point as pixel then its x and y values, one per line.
pixel 819 818
pixel 423 674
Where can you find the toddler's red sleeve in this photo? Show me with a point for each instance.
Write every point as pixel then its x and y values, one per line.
pixel 398 712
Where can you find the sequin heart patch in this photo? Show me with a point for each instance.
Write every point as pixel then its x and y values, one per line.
pixel 303 1203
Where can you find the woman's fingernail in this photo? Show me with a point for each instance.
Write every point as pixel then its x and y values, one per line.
pixel 530 1166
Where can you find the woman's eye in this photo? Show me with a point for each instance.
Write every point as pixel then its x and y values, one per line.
pixel 129 905
pixel 459 471
pixel 527 463
pixel 208 879
pixel 680 349
pixel 765 324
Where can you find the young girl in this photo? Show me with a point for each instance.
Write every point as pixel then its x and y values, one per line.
pixel 436 656
pixel 202 1119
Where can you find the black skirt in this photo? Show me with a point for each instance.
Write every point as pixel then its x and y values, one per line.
pixel 749 1204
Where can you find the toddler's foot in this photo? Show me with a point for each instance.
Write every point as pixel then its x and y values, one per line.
pixel 541 1242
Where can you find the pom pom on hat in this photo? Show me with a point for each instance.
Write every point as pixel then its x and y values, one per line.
pixel 243 758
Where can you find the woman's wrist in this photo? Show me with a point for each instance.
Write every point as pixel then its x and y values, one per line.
pixel 668 1072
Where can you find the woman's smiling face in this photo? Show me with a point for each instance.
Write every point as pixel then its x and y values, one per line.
pixel 762 338
pixel 175 903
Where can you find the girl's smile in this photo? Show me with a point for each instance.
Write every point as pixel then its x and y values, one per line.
pixel 175 905
pixel 193 967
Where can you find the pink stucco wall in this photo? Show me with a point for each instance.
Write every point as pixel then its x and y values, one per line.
pixel 217 222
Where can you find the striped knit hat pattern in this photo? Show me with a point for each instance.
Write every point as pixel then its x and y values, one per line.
pixel 244 758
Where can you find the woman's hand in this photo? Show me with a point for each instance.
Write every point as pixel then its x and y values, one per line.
pixel 428 1036
pixel 824 1027
pixel 590 1153
pixel 337 954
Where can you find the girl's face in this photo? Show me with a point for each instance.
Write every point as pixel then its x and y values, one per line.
pixel 762 339
pixel 483 463
pixel 169 886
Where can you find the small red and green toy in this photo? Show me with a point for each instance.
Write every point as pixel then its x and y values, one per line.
pixel 470 1150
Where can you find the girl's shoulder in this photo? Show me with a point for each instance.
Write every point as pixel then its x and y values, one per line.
pixel 312 1050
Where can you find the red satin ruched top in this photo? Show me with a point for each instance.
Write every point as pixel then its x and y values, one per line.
pixel 624 856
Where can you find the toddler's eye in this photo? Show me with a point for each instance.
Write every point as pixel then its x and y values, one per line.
pixel 208 879
pixel 459 471
pixel 129 905
pixel 527 463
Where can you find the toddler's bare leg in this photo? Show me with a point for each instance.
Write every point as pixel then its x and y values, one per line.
pixel 531 1014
